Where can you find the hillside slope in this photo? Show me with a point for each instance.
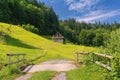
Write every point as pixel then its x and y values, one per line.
pixel 22 41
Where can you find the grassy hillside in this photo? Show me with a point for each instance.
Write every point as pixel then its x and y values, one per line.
pixel 22 41
pixel 19 40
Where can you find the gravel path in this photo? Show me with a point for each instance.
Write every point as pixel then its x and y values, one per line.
pixel 53 65
pixel 60 76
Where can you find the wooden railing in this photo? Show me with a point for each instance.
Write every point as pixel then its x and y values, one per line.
pixel 17 61
pixel 78 58
pixel 108 57
pixel 38 57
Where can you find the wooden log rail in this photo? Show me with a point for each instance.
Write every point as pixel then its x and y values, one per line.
pixel 105 56
pixel 38 57
pixel 18 60
pixel 103 65
pixel 108 57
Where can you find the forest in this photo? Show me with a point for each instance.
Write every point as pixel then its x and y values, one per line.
pixel 31 12
pixel 89 34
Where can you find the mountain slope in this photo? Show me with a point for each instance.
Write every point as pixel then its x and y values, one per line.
pixel 22 41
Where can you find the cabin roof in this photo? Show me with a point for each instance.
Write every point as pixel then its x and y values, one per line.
pixel 58 35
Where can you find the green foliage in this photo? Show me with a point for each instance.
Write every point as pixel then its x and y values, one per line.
pixel 89 72
pixel 30 28
pixel 113 42
pixel 4 11
pixel 87 59
pixel 90 34
pixel 115 64
pixel 13 70
pixel 113 47
pixel 98 40
pixel 29 12
pixel 9 73
pixel 86 37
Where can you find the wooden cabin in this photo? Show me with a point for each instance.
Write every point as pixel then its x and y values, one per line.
pixel 58 38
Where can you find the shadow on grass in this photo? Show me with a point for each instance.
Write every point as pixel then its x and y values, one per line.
pixel 15 42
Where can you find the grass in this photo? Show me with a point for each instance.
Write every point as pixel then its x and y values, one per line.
pixel 43 75
pixel 22 41
pixel 9 73
pixel 92 72
pixel 19 40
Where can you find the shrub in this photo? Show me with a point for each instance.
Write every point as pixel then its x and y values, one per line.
pixel 113 43
pixel 31 28
pixel 113 47
pixel 13 70
pixel 9 73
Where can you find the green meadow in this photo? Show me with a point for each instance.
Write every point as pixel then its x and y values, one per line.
pixel 18 40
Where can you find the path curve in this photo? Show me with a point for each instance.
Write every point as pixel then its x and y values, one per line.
pixel 52 65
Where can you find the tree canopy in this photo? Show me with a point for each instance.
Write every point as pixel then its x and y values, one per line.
pixel 90 34
pixel 29 12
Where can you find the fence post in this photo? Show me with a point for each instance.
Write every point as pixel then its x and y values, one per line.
pixel 23 58
pixel 76 57
pixel 9 60
pixel 17 60
pixel 93 57
pixel 109 64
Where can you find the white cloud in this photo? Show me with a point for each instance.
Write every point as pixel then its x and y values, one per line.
pixel 81 5
pixel 90 10
pixel 97 15
pixel 69 1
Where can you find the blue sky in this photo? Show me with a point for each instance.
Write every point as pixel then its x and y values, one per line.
pixel 86 10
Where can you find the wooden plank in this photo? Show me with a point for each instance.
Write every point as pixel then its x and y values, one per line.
pixel 80 58
pixel 103 55
pixel 77 58
pixel 16 62
pixel 103 65
pixel 84 53
pixel 15 54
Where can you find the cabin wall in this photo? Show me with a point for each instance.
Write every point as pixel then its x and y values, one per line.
pixel 58 40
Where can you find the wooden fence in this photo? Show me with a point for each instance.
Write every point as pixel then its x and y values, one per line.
pixel 78 58
pixel 18 60
pixel 98 62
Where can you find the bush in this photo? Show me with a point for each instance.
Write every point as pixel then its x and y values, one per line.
pixel 9 73
pixel 87 59
pixel 13 70
pixel 115 65
pixel 86 37
pixel 31 28
pixel 113 43
pixel 113 47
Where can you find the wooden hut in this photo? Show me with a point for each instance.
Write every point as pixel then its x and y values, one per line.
pixel 58 38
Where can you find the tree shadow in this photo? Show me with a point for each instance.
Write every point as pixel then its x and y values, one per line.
pixel 15 42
